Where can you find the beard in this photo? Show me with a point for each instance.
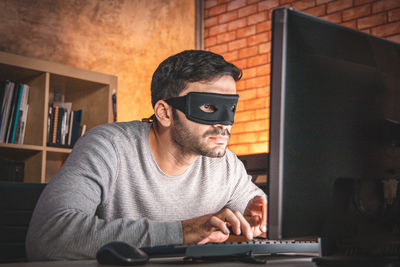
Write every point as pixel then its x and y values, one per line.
pixel 190 142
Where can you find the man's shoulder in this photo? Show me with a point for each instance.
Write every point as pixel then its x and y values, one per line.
pixel 121 129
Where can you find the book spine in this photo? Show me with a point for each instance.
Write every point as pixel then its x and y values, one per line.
pixel 16 116
pixel 55 125
pixel 8 113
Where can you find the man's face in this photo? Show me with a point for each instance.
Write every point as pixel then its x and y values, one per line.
pixel 196 138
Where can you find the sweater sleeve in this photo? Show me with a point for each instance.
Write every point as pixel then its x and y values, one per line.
pixel 243 189
pixel 64 224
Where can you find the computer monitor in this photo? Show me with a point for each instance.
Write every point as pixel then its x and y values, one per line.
pixel 334 134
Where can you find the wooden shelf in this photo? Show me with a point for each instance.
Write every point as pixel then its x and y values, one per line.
pixel 87 90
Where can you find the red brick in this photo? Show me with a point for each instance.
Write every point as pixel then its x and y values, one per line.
pixel 267 4
pixel 258 38
pixel 210 3
pixel 241 85
pixel 357 12
pixel 259 125
pixel 387 29
pixel 320 2
pixel 236 24
pixel 219 49
pixel 208 22
pixel 247 31
pixel 264 135
pixel 248 52
pixel 394 15
pixel 229 16
pixel 264 70
pixel 338 5
pixel 262 114
pixel 282 2
pixel 248 94
pixel 249 73
pixel 210 41
pixel 394 38
pixel 256 18
pixel 261 147
pixel 248 10
pixel 206 32
pixel 371 21
pixel 217 29
pixel 216 10
pixel 242 64
pixel 351 24
pixel 237 44
pixel 257 82
pixel 317 11
pixel 244 115
pixel 257 103
pixel 263 91
pixel 335 17
pixel 231 56
pixel 385 5
pixel 263 26
pixel 223 1
pixel 361 2
pixel 226 37
pixel 236 4
pixel 258 60
pixel 248 138
pixel 367 31
pixel 303 4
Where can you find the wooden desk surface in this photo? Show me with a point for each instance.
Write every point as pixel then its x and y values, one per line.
pixel 305 262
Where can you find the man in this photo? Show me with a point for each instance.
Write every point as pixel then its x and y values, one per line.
pixel 170 181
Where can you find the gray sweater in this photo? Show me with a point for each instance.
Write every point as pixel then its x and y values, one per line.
pixel 111 188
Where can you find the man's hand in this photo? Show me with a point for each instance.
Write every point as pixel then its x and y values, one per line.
pixel 214 227
pixel 256 215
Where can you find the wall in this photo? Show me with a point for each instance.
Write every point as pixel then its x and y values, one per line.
pixel 127 38
pixel 240 30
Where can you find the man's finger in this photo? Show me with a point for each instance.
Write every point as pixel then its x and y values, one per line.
pixel 263 226
pixel 245 226
pixel 219 223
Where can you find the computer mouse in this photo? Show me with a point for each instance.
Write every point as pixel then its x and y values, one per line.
pixel 120 253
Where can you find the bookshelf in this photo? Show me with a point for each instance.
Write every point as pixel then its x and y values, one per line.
pixel 86 90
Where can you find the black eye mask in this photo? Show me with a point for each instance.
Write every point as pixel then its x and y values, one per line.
pixel 206 108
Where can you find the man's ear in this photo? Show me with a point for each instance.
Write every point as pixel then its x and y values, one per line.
pixel 163 113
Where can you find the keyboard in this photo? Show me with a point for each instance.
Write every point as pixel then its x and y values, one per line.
pixel 263 247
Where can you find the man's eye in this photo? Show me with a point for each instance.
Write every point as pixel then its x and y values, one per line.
pixel 208 108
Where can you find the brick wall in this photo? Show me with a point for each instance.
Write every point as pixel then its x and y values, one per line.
pixel 240 30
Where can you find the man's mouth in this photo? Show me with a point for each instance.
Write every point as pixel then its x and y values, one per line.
pixel 220 139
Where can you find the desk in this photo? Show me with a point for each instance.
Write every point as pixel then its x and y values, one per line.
pixel 306 262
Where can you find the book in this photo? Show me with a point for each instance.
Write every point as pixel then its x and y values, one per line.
pixel 55 125
pixel 16 115
pixel 76 126
pixel 6 109
pixel 71 121
pixel 11 113
pixel 20 133
pixel 59 129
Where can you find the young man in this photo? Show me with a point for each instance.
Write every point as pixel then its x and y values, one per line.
pixel 170 181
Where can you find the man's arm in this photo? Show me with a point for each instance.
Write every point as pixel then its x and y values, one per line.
pixel 245 214
pixel 65 225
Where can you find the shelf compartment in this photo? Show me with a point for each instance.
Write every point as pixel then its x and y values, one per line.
pixel 30 155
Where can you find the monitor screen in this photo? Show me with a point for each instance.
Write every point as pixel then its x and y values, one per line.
pixel 335 112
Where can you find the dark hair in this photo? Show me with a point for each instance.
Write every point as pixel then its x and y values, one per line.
pixel 173 74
